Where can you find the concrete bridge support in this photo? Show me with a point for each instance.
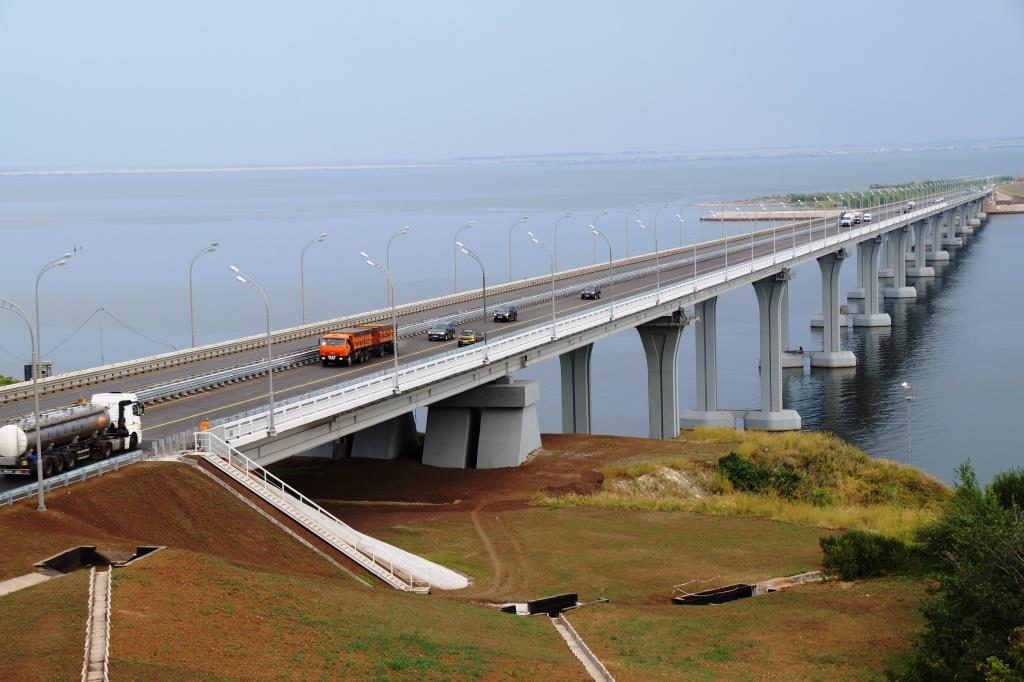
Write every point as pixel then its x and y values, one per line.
pixel 832 354
pixel 886 268
pixel 388 440
pixel 707 414
pixel 771 416
pixel 871 314
pixel 899 289
pixel 490 427
pixel 576 389
pixel 920 269
pixel 936 254
pixel 857 292
pixel 661 338
pixel 949 237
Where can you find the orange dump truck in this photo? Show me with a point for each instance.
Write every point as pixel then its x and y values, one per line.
pixel 357 344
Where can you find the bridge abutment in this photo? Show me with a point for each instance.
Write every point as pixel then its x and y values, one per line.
pixel 575 366
pixel 706 414
pixel 771 416
pixel 660 339
pixel 832 354
pixel 489 427
pixel 871 314
pixel 392 439
pixel 899 289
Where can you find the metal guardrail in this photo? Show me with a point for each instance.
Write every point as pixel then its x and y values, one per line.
pixel 77 475
pixel 291 413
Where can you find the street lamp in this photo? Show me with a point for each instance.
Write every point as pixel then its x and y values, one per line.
pixel 55 263
pixel 245 279
pixel 483 288
pixel 191 310
pixel 564 216
pixel 629 215
pixel 593 239
pixel 909 397
pixel 387 247
pixel 455 256
pixel 302 273
pixel 536 240
pixel 510 228
pixel 681 220
pixel 657 262
pixel 8 305
pixel 611 276
pixel 391 302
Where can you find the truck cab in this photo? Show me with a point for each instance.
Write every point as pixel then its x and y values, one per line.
pixel 124 412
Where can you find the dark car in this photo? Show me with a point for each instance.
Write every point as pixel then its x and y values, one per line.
pixel 591 291
pixel 441 331
pixel 468 337
pixel 506 313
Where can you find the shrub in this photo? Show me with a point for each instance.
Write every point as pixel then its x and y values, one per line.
pixel 6 380
pixel 756 478
pixel 860 554
pixel 1008 489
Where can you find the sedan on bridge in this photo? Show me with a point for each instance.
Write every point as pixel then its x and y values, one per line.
pixel 467 337
pixel 590 291
pixel 441 331
pixel 506 313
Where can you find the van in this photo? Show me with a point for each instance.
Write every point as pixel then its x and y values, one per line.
pixel 866 218
pixel 846 220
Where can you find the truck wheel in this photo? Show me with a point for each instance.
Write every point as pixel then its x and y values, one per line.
pixel 58 464
pixel 106 449
pixel 323 363
pixel 133 442
pixel 70 461
pixel 47 467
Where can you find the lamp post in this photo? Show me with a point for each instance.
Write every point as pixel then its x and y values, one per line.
pixel 8 305
pixel 629 215
pixel 245 279
pixel 302 273
pixel 593 239
pixel 539 242
pixel 611 276
pixel 564 216
pixel 55 263
pixel 455 256
pixel 483 288
pixel 387 247
pixel 682 220
pixel 391 302
pixel 191 309
pixel 510 229
pixel 909 397
pixel 657 262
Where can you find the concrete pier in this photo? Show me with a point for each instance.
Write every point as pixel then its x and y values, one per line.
pixel 831 355
pixel 871 314
pixel 920 269
pixel 857 292
pixel 885 270
pixel 575 367
pixel 899 289
pixel 771 416
pixel 388 440
pixel 490 427
pixel 706 413
pixel 936 254
pixel 660 339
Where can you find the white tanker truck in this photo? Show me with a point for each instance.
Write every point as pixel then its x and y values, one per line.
pixel 108 423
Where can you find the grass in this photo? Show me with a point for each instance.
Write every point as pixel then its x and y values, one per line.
pixel 1014 189
pixel 833 485
pixel 6 380
pixel 42 630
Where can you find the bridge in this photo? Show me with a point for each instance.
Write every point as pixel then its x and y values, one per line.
pixel 478 414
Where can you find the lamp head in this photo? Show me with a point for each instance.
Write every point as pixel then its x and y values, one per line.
pixel 459 244
pixel 233 268
pixel 530 234
pixel 364 254
pixel 323 236
pixel 405 230
pixel 465 251
pixel 241 279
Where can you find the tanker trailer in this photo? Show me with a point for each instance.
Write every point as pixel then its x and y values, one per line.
pixel 109 423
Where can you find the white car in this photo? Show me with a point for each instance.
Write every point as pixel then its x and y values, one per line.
pixel 866 218
pixel 846 220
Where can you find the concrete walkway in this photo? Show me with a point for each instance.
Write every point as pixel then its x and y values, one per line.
pixel 28 580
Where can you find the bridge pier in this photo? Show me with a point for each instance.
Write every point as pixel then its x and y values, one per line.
pixel 771 416
pixel 871 314
pixel 392 439
pixel 489 427
pixel 857 292
pixel 886 268
pixel 660 339
pixel 576 389
pixel 920 269
pixel 707 414
pixel 832 354
pixel 899 289
pixel 949 237
pixel 936 254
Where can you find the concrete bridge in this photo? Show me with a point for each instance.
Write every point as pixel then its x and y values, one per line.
pixel 478 415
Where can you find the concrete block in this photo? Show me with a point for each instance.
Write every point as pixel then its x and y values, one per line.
pixel 792 360
pixel 834 359
pixel 700 419
pixel 780 420
pixel 936 256
pixel 819 320
pixel 507 436
pixel 855 292
pixel 900 292
pixel 926 271
pixel 872 320
pixel 450 433
pixel 388 440
pixel 952 241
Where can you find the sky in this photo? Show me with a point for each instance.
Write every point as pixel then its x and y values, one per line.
pixel 132 83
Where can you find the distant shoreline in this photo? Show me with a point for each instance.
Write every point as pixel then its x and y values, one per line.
pixel 221 169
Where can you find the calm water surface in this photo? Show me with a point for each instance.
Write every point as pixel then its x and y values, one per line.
pixel 958 343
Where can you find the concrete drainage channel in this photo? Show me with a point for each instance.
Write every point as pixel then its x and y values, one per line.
pixel 727 593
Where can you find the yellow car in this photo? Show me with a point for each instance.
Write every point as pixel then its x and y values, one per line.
pixel 468 337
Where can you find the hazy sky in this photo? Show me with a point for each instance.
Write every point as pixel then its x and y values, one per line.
pixel 207 82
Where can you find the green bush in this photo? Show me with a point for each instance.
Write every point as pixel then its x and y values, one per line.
pixel 1008 489
pixel 6 380
pixel 859 554
pixel 756 478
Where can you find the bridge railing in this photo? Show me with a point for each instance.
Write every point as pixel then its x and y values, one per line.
pixel 77 475
pixel 354 393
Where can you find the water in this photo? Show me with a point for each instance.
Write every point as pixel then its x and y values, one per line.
pixel 957 344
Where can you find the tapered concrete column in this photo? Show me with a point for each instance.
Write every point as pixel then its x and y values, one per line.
pixel 936 254
pixel 707 414
pixel 885 269
pixel 920 229
pixel 832 354
pixel 771 416
pixel 965 228
pixel 790 360
pixel 871 314
pixel 661 338
pixel 858 291
pixel 899 289
pixel 388 440
pixel 576 389
pixel 949 237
